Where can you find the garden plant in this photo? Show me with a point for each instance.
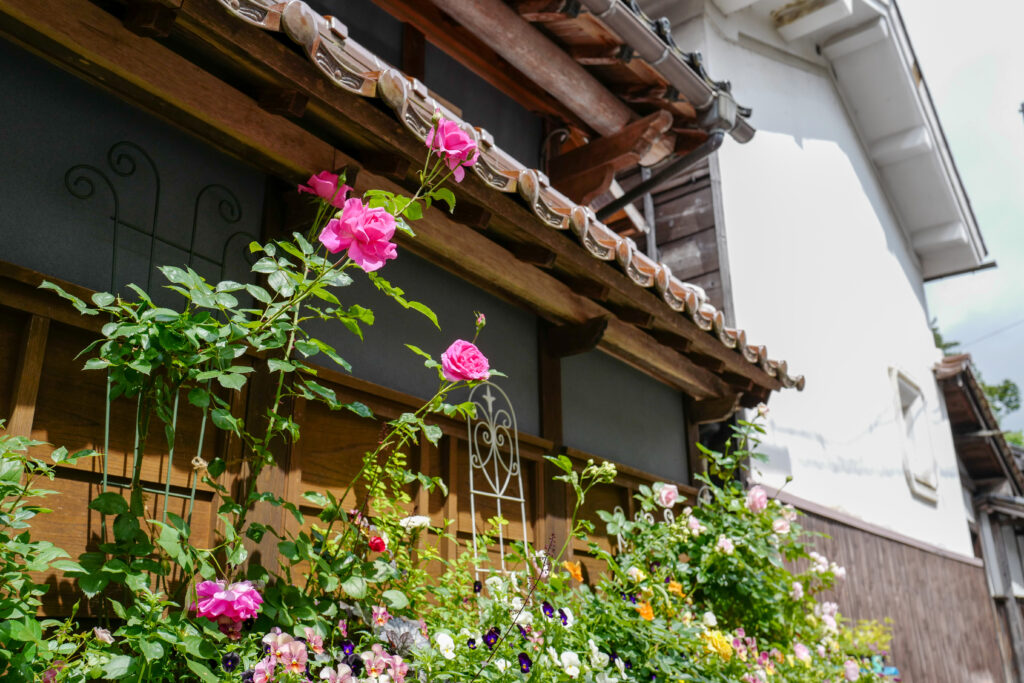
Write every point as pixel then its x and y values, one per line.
pixel 723 589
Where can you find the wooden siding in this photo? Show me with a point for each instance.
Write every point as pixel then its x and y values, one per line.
pixel 943 619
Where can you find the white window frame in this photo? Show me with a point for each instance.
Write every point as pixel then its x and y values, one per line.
pixel 914 428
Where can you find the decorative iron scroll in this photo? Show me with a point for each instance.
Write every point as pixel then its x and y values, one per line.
pixel 124 159
pixel 667 515
pixel 494 465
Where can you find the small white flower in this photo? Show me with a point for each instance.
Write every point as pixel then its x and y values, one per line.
pixel 598 659
pixel 798 591
pixel 636 574
pixel 570 664
pixel 710 620
pixel 445 645
pixel 502 664
pixel 725 545
pixel 837 571
pixel 414 522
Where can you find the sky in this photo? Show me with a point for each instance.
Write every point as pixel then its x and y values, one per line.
pixel 972 59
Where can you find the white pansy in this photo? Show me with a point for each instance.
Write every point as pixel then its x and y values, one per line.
pixel 570 664
pixel 598 659
pixel 502 664
pixel 445 645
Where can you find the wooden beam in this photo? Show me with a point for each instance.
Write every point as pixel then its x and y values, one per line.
pixel 29 369
pixel 738 382
pixel 712 410
pixel 587 287
pixel 672 340
pixel 283 101
pixel 572 339
pixel 587 186
pixel 629 314
pixel 471 215
pixel 389 164
pixel 622 149
pixel 533 254
pixel 595 55
pixel 149 19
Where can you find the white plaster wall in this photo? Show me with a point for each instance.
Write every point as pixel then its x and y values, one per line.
pixel 821 274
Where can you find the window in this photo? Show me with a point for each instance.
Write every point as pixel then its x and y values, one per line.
pixel 912 421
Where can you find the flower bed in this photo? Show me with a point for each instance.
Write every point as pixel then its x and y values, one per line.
pixel 710 593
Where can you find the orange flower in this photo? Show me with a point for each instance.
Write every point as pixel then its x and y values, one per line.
pixel 645 610
pixel 574 569
pixel 676 588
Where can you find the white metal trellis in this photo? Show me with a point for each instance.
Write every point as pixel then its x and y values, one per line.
pixel 667 514
pixel 494 465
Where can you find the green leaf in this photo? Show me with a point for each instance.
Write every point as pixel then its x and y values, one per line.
pixel 445 195
pixel 198 397
pixel 425 310
pixel 396 599
pixel 103 298
pixel 358 408
pixel 175 275
pixel 278 365
pixel 109 503
pixel 151 649
pixel 201 670
pixel 316 498
pixel 223 419
pixel 216 467
pixel 355 587
pixel 91 584
pixel 232 381
pixel 97 364
pixel 413 211
pixel 433 433
pixel 68 566
pixel 562 462
pixel 117 667
pixel 258 293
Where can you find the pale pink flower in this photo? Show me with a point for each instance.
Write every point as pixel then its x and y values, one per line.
pixel 343 627
pixel 725 545
pixel 851 670
pixel 103 635
pixel 263 672
pixel 375 661
pixel 275 642
pixel 294 657
pixel 757 499
pixel 801 652
pixel 366 233
pixel 326 186
pixel 789 513
pixel 797 591
pixel 780 526
pixel 380 615
pixel 237 602
pixel 454 145
pixel 666 495
pixel 694 525
pixel 463 361
pixel 838 571
pixel 343 674
pixel 314 641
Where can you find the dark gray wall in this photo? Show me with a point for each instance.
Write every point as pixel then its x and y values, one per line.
pixel 60 137
pixel 611 410
pixel 509 340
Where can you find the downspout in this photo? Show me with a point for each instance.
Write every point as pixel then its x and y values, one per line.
pixel 666 173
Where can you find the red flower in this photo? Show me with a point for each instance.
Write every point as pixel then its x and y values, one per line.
pixel 378 545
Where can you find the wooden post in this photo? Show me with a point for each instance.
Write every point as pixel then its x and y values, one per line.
pixel 26 384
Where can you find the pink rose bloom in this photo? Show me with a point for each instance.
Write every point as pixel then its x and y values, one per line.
pixel 851 669
pixel 453 144
pixel 366 233
pixel 801 652
pixel 103 635
pixel 463 361
pixel 51 674
pixel 757 499
pixel 666 495
pixel 237 602
pixel 325 186
pixel 780 526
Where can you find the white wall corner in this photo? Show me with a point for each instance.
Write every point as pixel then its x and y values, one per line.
pixel 856 39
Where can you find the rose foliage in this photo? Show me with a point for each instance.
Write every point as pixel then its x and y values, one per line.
pixel 359 591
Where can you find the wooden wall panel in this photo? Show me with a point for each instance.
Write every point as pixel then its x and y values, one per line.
pixel 943 620
pixel 12 325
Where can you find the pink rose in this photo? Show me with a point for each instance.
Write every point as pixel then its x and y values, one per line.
pixel 463 361
pixel 378 545
pixel 365 232
pixel 801 652
pixel 454 145
pixel 757 499
pixel 781 526
pixel 851 669
pixel 237 602
pixel 666 495
pixel 325 185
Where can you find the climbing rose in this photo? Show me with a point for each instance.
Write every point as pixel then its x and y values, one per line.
pixel 325 185
pixel 365 232
pixel 453 144
pixel 757 499
pixel 852 670
pixel 378 545
pixel 463 361
pixel 801 652
pixel 667 494
pixel 781 525
pixel 237 602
